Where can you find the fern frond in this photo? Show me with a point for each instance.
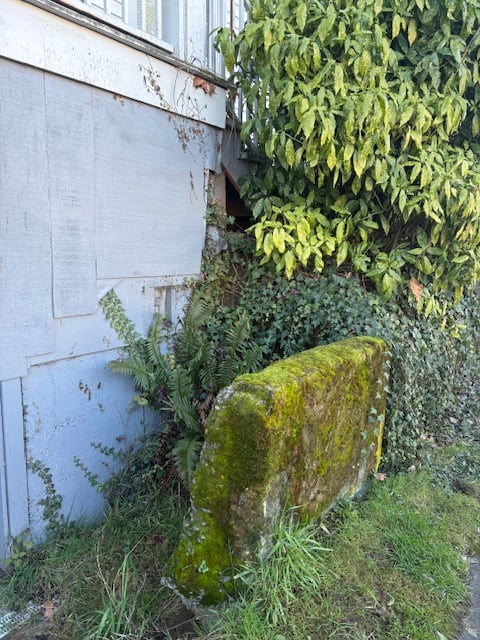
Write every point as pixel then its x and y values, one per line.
pixel 186 454
pixel 156 339
pixel 192 337
pixel 180 398
pixel 135 367
pixel 180 383
pixel 208 374
pixel 227 370
pixel 237 334
pixel 195 367
pixel 184 413
pixel 199 309
pixel 238 355
pixel 252 357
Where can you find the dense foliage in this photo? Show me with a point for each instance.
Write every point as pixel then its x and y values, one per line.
pixel 435 374
pixel 365 116
pixel 180 372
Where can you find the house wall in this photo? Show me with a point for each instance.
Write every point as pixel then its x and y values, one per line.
pixel 102 185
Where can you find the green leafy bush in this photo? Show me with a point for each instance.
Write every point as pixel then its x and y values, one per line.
pixel 434 370
pixel 366 114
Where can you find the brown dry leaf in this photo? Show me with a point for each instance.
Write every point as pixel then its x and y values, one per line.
pixel 416 288
pixel 207 87
pixel 48 610
pixel 380 476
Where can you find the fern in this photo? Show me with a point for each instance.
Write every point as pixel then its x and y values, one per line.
pixel 136 368
pixel 182 372
pixel 186 454
pixel 158 337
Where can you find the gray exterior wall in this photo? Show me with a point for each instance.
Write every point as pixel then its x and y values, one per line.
pixel 97 191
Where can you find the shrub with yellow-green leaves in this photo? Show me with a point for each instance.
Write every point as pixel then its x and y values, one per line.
pixel 365 115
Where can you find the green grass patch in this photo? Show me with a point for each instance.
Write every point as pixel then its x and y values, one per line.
pixel 104 580
pixel 390 566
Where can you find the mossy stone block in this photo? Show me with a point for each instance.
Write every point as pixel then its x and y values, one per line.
pixel 303 432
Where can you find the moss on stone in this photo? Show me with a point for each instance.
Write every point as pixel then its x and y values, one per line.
pixel 302 432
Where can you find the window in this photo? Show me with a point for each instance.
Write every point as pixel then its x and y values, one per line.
pixel 156 18
pixel 181 27
pixel 224 13
pixel 176 22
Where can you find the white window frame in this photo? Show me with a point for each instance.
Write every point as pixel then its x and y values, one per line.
pixel 182 23
pixel 129 15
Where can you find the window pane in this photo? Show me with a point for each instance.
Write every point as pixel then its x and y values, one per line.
pixel 152 18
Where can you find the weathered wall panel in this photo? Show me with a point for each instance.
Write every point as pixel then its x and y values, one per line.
pixel 71 184
pixel 68 405
pixel 149 186
pixel 96 192
pixel 25 259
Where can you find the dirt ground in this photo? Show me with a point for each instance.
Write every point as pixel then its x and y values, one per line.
pixel 180 626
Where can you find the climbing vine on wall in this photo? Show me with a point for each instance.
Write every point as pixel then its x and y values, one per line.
pixel 366 115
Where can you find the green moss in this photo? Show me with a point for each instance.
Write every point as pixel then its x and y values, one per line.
pixel 201 566
pixel 303 431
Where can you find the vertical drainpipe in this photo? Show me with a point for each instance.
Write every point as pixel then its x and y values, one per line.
pixel 4 525
pixel 13 465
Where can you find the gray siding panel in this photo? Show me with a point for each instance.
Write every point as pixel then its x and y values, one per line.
pixel 69 405
pixel 96 192
pixel 70 153
pixel 149 191
pixel 26 325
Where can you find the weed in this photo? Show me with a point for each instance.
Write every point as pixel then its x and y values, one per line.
pixel 292 564
pixel 52 502
pixel 119 601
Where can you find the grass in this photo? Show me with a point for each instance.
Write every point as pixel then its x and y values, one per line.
pixel 105 580
pixel 394 569
pixel 389 566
